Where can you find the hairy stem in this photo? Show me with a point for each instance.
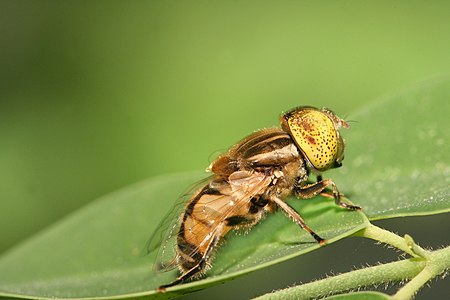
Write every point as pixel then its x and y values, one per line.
pixel 438 262
pixel 391 272
pixel 384 236
pixel 421 268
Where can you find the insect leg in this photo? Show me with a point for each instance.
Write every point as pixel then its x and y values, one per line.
pixel 326 193
pixel 295 216
pixel 200 266
pixel 316 188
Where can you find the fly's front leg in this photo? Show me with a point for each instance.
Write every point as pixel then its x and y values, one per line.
pixel 312 190
pixel 325 193
pixel 295 216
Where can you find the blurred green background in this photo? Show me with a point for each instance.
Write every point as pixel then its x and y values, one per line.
pixel 97 95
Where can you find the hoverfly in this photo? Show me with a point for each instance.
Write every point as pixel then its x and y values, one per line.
pixel 252 179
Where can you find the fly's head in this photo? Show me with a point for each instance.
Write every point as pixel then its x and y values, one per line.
pixel 316 134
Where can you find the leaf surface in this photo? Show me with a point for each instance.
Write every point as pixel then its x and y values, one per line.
pixel 99 251
pixel 398 154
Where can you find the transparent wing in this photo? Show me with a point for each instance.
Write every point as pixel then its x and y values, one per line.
pixel 163 239
pixel 239 188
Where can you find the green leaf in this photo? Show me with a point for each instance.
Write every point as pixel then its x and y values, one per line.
pixel 98 251
pixel 398 154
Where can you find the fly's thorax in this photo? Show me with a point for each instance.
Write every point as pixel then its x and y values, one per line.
pixel 316 134
pixel 265 154
pixel 263 147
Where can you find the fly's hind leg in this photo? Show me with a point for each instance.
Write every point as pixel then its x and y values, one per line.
pixel 312 190
pixel 200 266
pixel 295 216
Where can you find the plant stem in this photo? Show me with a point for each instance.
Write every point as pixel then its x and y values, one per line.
pixel 438 262
pixel 422 267
pixel 395 271
pixel 384 236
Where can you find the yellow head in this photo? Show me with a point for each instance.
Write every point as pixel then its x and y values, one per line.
pixel 316 133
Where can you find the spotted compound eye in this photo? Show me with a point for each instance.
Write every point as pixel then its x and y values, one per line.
pixel 316 134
